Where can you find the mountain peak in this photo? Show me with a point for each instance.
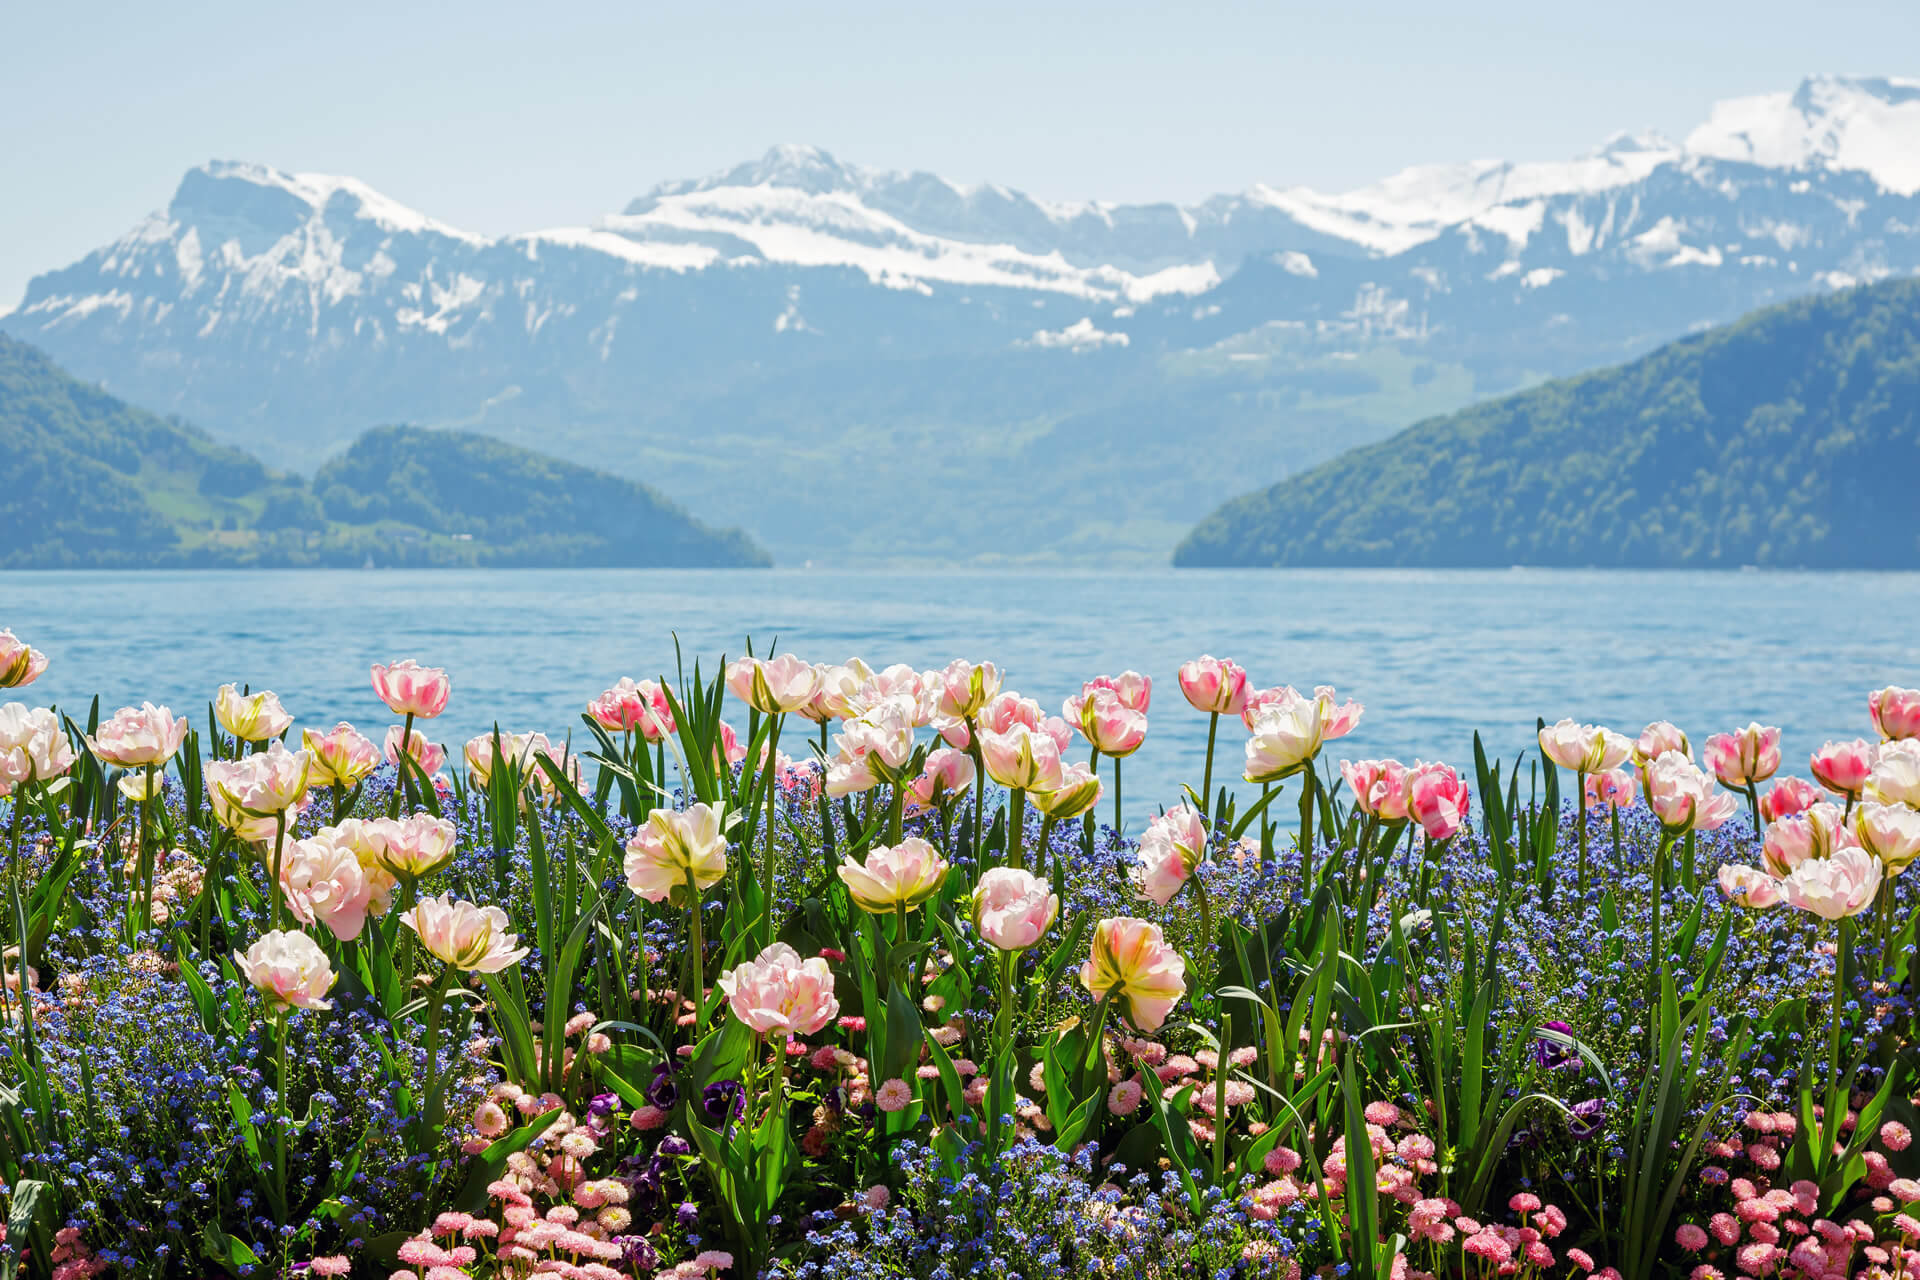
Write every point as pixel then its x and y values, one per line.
pixel 1868 125
pixel 272 199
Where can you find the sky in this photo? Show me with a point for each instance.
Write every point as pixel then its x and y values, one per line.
pixel 500 117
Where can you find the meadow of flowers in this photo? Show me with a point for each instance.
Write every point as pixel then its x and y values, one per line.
pixel 792 970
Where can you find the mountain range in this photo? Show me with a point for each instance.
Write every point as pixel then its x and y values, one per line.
pixel 1790 438
pixel 858 365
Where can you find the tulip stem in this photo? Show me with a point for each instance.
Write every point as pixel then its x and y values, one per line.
pixel 696 960
pixel 1119 821
pixel 1657 961
pixel 1753 807
pixel 1306 830
pixel 1016 828
pixel 283 1109
pixel 405 787
pixel 13 883
pixel 771 766
pixel 145 873
pixel 430 1102
pixel 1206 778
pixel 1580 818
pixel 1093 767
pixel 1837 1092
pixel 979 794
pixel 1003 1065
pixel 279 849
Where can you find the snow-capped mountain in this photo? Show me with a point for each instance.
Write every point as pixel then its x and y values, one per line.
pixel 802 313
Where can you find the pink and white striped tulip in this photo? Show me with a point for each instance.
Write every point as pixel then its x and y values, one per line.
pixel 1169 850
pixel 289 969
pixel 341 756
pixel 251 717
pixel 1656 740
pixel 1336 718
pixel 946 774
pixel 138 736
pixel 1744 756
pixel 33 748
pixel 1895 712
pixel 773 686
pixel 777 991
pixel 248 795
pixel 675 846
pixel 427 755
pixel 1379 787
pixel 1437 799
pixel 1131 960
pixel 1890 832
pixel 1022 758
pixel 1682 795
pixel 325 884
pixel 1896 773
pixel 410 689
pixel 1286 737
pixel 1749 887
pixel 1836 887
pixel 1214 685
pixel 417 845
pixel 1110 725
pixel 1615 788
pixel 1013 909
pixel 20 663
pixel 1586 748
pixel 1817 833
pixel 964 687
pixel 1078 792
pixel 466 936
pixel 634 704
pixel 894 876
pixel 1843 767
pixel 1788 796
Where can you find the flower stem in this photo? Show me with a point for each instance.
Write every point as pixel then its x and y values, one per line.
pixel 1580 811
pixel 1016 828
pixel 279 851
pixel 768 869
pixel 406 779
pixel 1206 778
pixel 1119 821
pixel 1002 1054
pixel 696 960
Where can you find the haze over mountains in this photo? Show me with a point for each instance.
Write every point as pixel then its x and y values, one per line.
pixel 856 364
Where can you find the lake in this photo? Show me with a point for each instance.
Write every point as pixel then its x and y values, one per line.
pixel 1434 655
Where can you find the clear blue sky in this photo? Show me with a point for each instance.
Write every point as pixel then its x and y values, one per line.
pixel 506 117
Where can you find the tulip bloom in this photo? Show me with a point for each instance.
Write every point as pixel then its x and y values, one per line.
pixel 1614 788
pixel 843 691
pixel 425 754
pixel 773 687
pixel 1818 833
pixel 1022 758
pixel 250 795
pixel 1843 767
pixel 1788 796
pixel 1835 887
pixel 1076 795
pixel 947 773
pixel 897 878
pixel 1896 774
pixel 417 845
pixel 1890 832
pixel 1379 788
pixel 1286 737
pixel 631 705
pixel 252 717
pixel 674 847
pixel 468 937
pixel 1110 725
pixel 778 991
pixel 1895 712
pixel 1681 795
pixel 341 756
pixel 1437 799
pixel 1336 720
pixel 32 747
pixel 1134 691
pixel 1131 961
pixel 289 969
pixel 138 736
pixel 1745 756
pixel 20 663
pixel 1169 851
pixel 516 749
pixel 1013 909
pixel 1656 740
pixel 1749 887
pixel 1584 748
pixel 410 689
pixel 963 688
pixel 325 884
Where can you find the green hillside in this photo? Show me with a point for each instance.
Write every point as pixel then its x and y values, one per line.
pixel 1791 437
pixel 93 482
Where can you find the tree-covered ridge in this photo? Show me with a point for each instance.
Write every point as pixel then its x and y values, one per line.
pixel 1789 438
pixel 95 482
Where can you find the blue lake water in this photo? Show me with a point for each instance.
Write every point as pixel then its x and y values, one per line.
pixel 1433 654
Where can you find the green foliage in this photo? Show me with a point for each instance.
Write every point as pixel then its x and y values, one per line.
pixel 1789 438
pixel 95 482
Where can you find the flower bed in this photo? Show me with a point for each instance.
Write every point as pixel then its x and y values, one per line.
pixel 828 972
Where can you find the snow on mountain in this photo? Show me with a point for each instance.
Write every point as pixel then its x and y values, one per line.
pixel 1869 126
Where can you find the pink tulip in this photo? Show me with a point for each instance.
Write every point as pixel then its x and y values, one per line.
pixel 410 689
pixel 1613 788
pixel 1110 725
pixel 1788 796
pixel 1134 691
pixel 1585 748
pixel 897 681
pixel 894 876
pixel 1013 909
pixel 467 937
pixel 773 686
pixel 1258 700
pixel 1890 832
pixel 1744 756
pixel 1336 720
pixel 1286 737
pixel 1843 767
pixel 1681 795
pixel 1214 685
pixel 1749 887
pixel 634 704
pixel 872 748
pixel 675 846
pixel 138 736
pixel 1896 773
pixel 777 991
pixel 1437 799
pixel 844 691
pixel 1078 792
pixel 425 754
pixel 248 795
pixel 341 756
pixel 1170 849
pixel 1656 740
pixel 947 773
pixel 963 688
pixel 1022 758
pixel 32 747
pixel 289 969
pixel 250 717
pixel 1008 709
pixel 20 664
pixel 1842 885
pixel 325 884
pixel 417 845
pixel 1132 961
pixel 1895 712
pixel 1817 833
pixel 729 747
pixel 1379 788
